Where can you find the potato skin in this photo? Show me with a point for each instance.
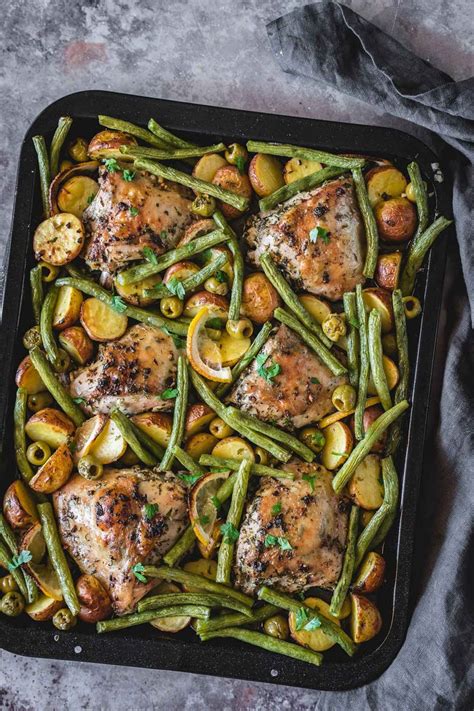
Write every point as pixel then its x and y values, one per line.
pixel 370 415
pixel 366 621
pixel 77 344
pixel 200 443
pixel 230 178
pixel 396 220
pixel 27 377
pixel 51 426
pixel 259 298
pixel 106 144
pixel 94 599
pixel 54 473
pixel 198 417
pixel 18 506
pixel 371 574
pixel 387 271
pixel 197 229
pixel 101 322
pixel 68 308
pixel 219 305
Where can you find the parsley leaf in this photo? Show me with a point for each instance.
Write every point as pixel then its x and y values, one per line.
pixel 315 381
pixel 133 210
pixel 310 479
pixel 78 400
pixel 117 304
pixel 284 543
pixel 111 165
pixel 149 255
pixel 320 232
pixel 176 287
pixel 137 570
pixel 276 508
pixel 177 340
pixel 216 502
pixel 90 198
pixel 301 618
pixel 203 520
pixel 319 440
pixel 313 624
pixel 128 175
pixel 215 323
pixel 17 560
pixel 189 478
pixel 267 372
pixel 229 532
pixel 240 163
pixel 150 511
pixel 221 277
pixel 169 394
pixel 340 454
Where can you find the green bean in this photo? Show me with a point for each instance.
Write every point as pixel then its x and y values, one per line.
pixel 401 391
pixel 64 124
pixel 285 438
pixel 298 186
pixel 259 639
pixel 46 327
pixel 44 172
pixel 201 186
pixel 374 340
pixel 364 365
pixel 179 415
pixel 173 153
pixel 383 529
pixel 19 419
pixel 226 548
pixel 342 587
pixel 36 284
pixel 192 282
pixel 30 591
pixel 417 251
pixel 89 287
pixel 236 619
pixel 196 581
pixel 126 430
pixel 389 506
pixel 169 137
pixel 156 602
pixel 376 429
pixel 288 151
pixel 140 618
pixel 324 355
pixel 145 439
pixel 260 440
pixel 186 251
pixel 371 232
pixel 352 324
pixel 181 547
pixel 257 344
pixel 58 557
pixel 55 387
pixel 421 197
pixel 7 562
pixel 328 626
pixel 187 461
pixel 238 267
pixel 137 131
pixel 208 460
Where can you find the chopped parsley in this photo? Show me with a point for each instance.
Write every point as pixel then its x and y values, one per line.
pixel 229 532
pixel 128 175
pixel 90 198
pixel 133 210
pixel 78 400
pixel 176 287
pixel 189 478
pixel 310 479
pixel 111 165
pixel 177 340
pixel 305 622
pixel 137 570
pixel 17 560
pixel 280 541
pixel 215 323
pixel 117 304
pixel 221 277
pixel 216 502
pixel 276 508
pixel 315 381
pixel 203 520
pixel 267 372
pixel 320 232
pixel 163 235
pixel 340 454
pixel 169 394
pixel 149 255
pixel 312 624
pixel 240 164
pixel 150 510
pixel 318 439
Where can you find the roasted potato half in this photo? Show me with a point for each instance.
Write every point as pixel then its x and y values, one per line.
pixel 297 168
pixel 266 174
pixel 232 349
pixel 337 446
pixel 197 229
pixel 55 473
pixel 370 415
pixel 76 194
pixel 259 298
pixel 110 445
pixel 200 443
pixel 44 608
pixel 230 178
pixel 180 270
pixel 157 425
pixel 366 620
pixel 381 300
pixel 101 322
pixel 384 183
pixel 50 426
pixel 365 486
pixel 202 566
pixel 28 378
pixel 387 271
pixel 135 293
pixel 94 599
pixel 316 307
pixel 77 344
pixel 86 435
pixel 219 305
pixel 233 448
pixel 106 144
pixel 68 307
pixel 207 167
pixel 396 220
pixel 59 239
pixel 391 373
pixel 317 639
pixel 371 574
pixel 198 416
pixel 33 542
pixel 19 508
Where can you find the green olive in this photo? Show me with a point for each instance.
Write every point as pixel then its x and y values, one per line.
pixel 412 306
pixel 32 338
pixel 64 361
pixel 48 271
pixel 204 205
pixel 334 326
pixel 38 401
pixel 236 154
pixel 242 328
pixel 344 397
pixel 313 438
pixel 8 584
pixel 261 455
pixel 38 453
pixel 389 344
pixel 89 468
pixel 277 626
pixel 220 429
pixel 64 619
pixel 216 286
pixel 171 307
pixel 12 604
pixel 78 149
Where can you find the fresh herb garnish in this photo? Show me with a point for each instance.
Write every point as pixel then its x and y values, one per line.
pixel 276 508
pixel 319 440
pixel 169 394
pixel 216 502
pixel 134 210
pixel 90 198
pixel 269 372
pixel 176 287
pixel 320 232
pixel 310 479
pixel 221 277
pixel 284 543
pixel 340 454
pixel 354 322
pixel 111 165
pixel 117 304
pixel 17 560
pixel 315 381
pixel 137 570
pixel 128 175
pixel 305 622
pixel 78 400
pixel 189 478
pixel 150 510
pixel 229 532
pixel 312 624
pixel 163 235
pixel 177 340
pixel 149 255
pixel 215 323
pixel 203 520
pixel 240 164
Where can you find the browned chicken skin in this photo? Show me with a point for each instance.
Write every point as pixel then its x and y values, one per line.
pixel 328 266
pixel 299 395
pixel 130 373
pixel 126 216
pixel 309 516
pixel 104 526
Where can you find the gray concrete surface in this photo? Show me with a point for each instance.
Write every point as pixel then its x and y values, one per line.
pixel 193 50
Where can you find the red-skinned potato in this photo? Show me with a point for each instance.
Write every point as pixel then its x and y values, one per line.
pixel 371 574
pixel 266 174
pixel 380 299
pixel 94 599
pixel 106 144
pixel 77 344
pixel 180 271
pixel 370 415
pixel 197 229
pixel 54 473
pixel 28 378
pixel 230 178
pixel 366 621
pixel 19 508
pixel 198 416
pixel 219 305
pixel 259 298
pixel 396 220
pixel 157 425
pixel 50 426
pixel 387 271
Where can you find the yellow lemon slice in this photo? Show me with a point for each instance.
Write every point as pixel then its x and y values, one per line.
pixel 203 353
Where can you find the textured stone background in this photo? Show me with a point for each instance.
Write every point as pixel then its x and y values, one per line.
pixel 192 50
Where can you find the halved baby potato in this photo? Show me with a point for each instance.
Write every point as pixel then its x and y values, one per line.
pixel 259 298
pixel 33 542
pixel 365 486
pixel 396 219
pixel 371 574
pixel 391 373
pixel 200 443
pixel 317 639
pixel 266 174
pixel 135 293
pixel 387 271
pixel 297 168
pixel 54 473
pixel 101 322
pixel 234 448
pixel 76 194
pixel 110 445
pixel 197 229
pixel 208 165
pixel 230 178
pixel 206 568
pixel 180 270
pixel 19 508
pixel 59 239
pixel 338 445
pixel 94 599
pixel 316 307
pixel 86 435
pixel 232 349
pixel 375 298
pixel 209 255
pixel 107 143
pixel 28 378
pixel 169 624
pixel 44 608
pixel 77 344
pixel 366 620
pixel 157 425
pixel 68 307
pixel 50 426
pixel 198 416
pixel 383 183
pixel 218 305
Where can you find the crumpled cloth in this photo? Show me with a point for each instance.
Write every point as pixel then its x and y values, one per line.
pixel 330 43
